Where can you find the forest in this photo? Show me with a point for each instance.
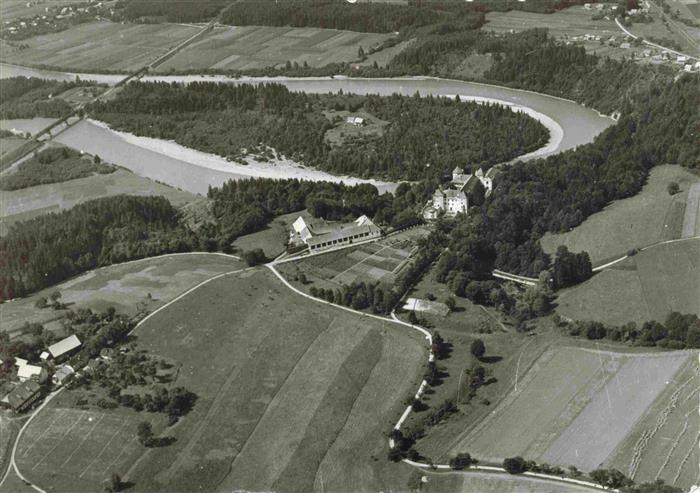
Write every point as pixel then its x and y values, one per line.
pixel 48 249
pixel 235 120
pixel 27 97
pixel 53 165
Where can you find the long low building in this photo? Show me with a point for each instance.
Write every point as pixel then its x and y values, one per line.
pixel 319 235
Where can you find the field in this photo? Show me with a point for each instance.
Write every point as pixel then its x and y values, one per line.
pixel 574 395
pixel 9 144
pixel 125 287
pixel 664 442
pixel 649 217
pixel 251 47
pixel 373 127
pixel 471 482
pixel 273 239
pixel 292 394
pixel 645 287
pixel 68 449
pixel 371 262
pixel 23 204
pixel 99 46
pixel 564 24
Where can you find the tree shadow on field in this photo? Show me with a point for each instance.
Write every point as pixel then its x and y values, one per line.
pixel 490 359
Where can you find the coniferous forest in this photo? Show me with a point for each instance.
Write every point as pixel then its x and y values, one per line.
pixel 233 120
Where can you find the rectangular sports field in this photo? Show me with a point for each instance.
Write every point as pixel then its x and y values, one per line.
pixel 647 286
pixel 100 46
pixel 574 395
pixel 250 47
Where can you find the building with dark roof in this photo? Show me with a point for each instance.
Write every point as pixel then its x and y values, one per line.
pixel 318 235
pixel 23 396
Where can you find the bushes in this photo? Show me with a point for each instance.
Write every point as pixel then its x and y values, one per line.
pixel 514 465
pixel 254 257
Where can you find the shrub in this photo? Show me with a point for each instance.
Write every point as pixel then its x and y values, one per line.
pixel 514 465
pixel 460 461
pixel 673 188
pixel 254 257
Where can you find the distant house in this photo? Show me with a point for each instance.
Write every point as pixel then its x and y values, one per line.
pixel 23 396
pixel 44 355
pixel 625 45
pixel 61 374
pixel 64 346
pixel 358 121
pixel 682 60
pixel 318 235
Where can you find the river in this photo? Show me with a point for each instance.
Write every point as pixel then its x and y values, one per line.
pixel 569 124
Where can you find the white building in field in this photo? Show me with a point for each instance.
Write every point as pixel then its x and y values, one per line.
pixel 319 235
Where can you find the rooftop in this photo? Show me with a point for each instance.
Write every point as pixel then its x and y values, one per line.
pixel 65 345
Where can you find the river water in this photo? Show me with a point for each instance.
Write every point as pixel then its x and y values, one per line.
pixel 569 123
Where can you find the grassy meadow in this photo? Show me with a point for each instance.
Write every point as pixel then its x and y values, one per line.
pixel 292 393
pixel 99 46
pixel 493 483
pixel 647 286
pixel 126 287
pixel 252 47
pixel 646 218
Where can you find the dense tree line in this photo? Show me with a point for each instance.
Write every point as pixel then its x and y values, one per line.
pixel 361 296
pixel 340 14
pixel 679 331
pixel 53 165
pixel 27 97
pixel 236 120
pixel 154 11
pixel 51 248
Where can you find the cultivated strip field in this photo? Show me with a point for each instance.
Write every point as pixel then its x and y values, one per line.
pixel 494 483
pixel 292 393
pixel 124 286
pixel 664 443
pixel 648 217
pixel 647 286
pixel 26 203
pixel 249 47
pixel 573 395
pixel 99 46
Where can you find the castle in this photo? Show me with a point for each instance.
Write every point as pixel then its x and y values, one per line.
pixel 453 199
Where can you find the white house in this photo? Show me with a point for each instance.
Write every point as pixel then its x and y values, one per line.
pixel 61 374
pixel 355 120
pixel 451 201
pixel 64 346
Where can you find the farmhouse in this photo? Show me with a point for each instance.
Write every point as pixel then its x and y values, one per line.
pixel 318 235
pixel 61 374
pixel 23 396
pixel 358 121
pixel 64 346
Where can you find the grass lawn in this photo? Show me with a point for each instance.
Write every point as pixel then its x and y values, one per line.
pixel 645 287
pixel 292 393
pixel 273 239
pixel 99 46
pixel 574 395
pixel 16 485
pixel 24 204
pixel 249 47
pixel 71 449
pixel 125 287
pixel 664 442
pixel 650 216
pixel 9 144
pixel 373 127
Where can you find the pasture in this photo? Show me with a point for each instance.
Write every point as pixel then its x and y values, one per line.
pixel 471 482
pixel 254 47
pixel 379 261
pixel 26 203
pixel 273 239
pixel 125 287
pixel 664 442
pixel 646 218
pixel 99 46
pixel 69 449
pixel 574 395
pixel 292 394
pixel 647 286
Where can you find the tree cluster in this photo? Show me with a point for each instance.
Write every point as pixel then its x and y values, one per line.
pixel 360 296
pixel 28 97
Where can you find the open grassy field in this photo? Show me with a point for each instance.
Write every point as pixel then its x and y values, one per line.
pixel 574 395
pixel 373 126
pixel 664 443
pixel 249 47
pixel 293 395
pixel 273 239
pixel 125 287
pixel 563 24
pixel 493 483
pixel 26 203
pixel 99 46
pixel 649 217
pixel 645 287
pixel 9 144
pixel 371 262
pixel 70 449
